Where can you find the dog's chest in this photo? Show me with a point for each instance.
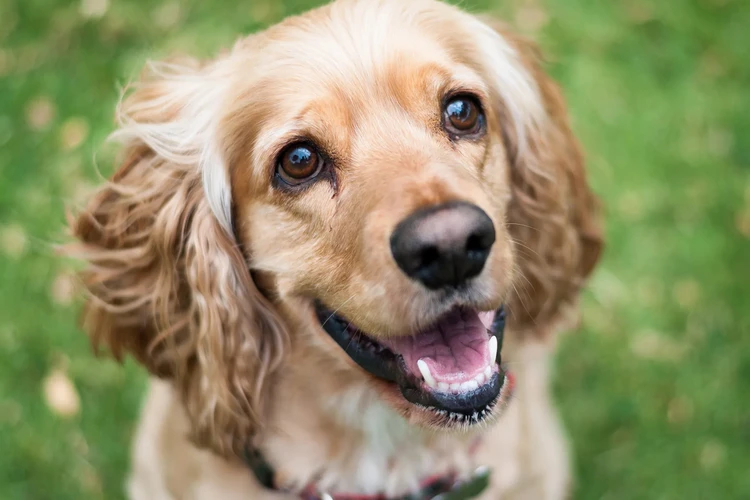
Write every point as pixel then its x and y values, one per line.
pixel 389 455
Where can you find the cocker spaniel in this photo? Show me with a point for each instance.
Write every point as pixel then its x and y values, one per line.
pixel 312 243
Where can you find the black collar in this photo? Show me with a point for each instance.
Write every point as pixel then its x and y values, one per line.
pixel 445 487
pixel 262 470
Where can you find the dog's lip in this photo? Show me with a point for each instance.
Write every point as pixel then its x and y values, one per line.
pixel 470 404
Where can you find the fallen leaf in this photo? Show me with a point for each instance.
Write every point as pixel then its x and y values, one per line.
pixel 713 454
pixel 89 479
pixel 73 132
pixel 63 289
pixel 167 15
pixel 742 222
pixel 531 18
pixel 608 289
pixel 61 395
pixel 39 113
pixel 93 9
pixel 13 240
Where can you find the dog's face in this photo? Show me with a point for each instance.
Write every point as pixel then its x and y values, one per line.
pixel 370 168
pixel 370 189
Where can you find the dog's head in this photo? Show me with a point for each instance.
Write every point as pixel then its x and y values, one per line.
pixel 363 188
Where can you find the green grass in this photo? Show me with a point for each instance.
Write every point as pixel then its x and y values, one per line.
pixel 654 389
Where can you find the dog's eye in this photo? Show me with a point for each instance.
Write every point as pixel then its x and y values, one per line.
pixel 463 115
pixel 298 163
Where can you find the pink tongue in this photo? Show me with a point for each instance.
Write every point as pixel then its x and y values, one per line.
pixel 455 349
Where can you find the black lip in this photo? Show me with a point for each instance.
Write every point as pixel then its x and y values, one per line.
pixel 384 364
pixel 467 403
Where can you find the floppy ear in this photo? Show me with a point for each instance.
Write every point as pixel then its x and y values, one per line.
pixel 167 281
pixel 553 215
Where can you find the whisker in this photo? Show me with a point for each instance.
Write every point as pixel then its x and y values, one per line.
pixel 523 225
pixel 518 242
pixel 531 285
pixel 333 313
pixel 351 338
pixel 520 299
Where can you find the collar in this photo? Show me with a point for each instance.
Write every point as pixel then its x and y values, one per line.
pixel 438 487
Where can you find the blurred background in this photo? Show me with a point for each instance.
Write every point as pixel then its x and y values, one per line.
pixel 655 386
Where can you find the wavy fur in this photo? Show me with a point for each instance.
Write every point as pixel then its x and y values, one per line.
pixel 189 230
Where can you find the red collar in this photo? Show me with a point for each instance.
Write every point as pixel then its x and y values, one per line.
pixel 443 485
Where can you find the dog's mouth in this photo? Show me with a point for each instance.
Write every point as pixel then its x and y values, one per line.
pixel 451 368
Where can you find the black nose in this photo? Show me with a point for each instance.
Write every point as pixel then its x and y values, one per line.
pixel 443 245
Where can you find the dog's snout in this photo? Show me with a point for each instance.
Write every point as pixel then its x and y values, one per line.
pixel 444 245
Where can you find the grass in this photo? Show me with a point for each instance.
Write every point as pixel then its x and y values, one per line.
pixel 655 387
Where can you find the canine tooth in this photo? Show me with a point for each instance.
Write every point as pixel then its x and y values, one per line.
pixel 455 387
pixel 444 387
pixel 479 379
pixel 425 370
pixel 493 349
pixel 487 373
pixel 470 385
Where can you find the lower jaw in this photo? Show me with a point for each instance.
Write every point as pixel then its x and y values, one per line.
pixel 430 407
pixel 460 403
pixel 443 419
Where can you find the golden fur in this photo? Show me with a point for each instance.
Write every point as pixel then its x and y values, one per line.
pixel 204 271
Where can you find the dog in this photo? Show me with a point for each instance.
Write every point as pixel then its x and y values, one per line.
pixel 314 242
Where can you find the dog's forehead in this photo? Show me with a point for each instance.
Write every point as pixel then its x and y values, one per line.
pixel 352 61
pixel 350 47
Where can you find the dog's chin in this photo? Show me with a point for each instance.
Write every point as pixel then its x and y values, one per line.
pixel 446 376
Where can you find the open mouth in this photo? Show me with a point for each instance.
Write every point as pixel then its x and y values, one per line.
pixel 451 368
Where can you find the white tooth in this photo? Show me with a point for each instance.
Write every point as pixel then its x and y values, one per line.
pixel 425 370
pixel 469 386
pixel 455 387
pixel 488 373
pixel 443 387
pixel 480 378
pixel 493 349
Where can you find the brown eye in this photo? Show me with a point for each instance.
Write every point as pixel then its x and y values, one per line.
pixel 463 115
pixel 298 163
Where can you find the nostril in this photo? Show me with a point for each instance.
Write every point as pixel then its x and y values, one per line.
pixel 428 256
pixel 475 244
pixel 430 265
